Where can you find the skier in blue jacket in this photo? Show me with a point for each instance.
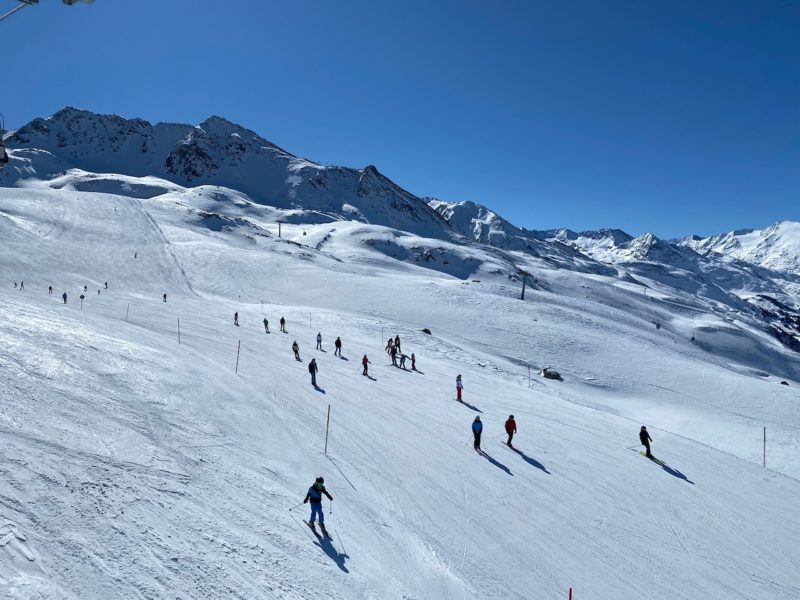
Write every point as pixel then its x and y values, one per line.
pixel 477 429
pixel 314 496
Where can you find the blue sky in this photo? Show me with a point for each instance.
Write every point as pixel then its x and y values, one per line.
pixel 671 117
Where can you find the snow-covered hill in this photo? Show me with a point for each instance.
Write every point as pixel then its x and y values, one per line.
pixel 154 450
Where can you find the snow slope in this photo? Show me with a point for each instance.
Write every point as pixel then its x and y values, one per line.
pixel 135 466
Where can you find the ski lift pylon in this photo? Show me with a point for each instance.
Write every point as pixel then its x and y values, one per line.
pixel 23 3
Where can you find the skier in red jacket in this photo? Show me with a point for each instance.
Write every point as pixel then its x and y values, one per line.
pixel 511 429
pixel 365 362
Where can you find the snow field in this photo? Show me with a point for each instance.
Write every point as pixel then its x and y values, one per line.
pixel 137 467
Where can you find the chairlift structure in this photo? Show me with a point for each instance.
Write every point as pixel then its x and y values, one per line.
pixel 23 3
pixel 3 153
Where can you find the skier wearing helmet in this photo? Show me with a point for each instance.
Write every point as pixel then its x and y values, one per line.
pixel 511 429
pixel 314 496
pixel 477 429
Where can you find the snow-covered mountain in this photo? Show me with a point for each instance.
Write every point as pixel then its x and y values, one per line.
pixel 215 152
pixel 777 247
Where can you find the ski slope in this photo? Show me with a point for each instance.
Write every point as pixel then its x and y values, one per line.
pixel 135 466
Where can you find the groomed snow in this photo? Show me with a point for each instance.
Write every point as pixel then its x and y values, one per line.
pixel 137 467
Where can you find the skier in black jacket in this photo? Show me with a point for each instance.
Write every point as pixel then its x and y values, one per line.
pixel 645 438
pixel 314 496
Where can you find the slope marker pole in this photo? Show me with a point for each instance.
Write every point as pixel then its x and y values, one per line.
pixel 765 447
pixel 327 426
pixel 529 376
pixel 126 312
pixel 179 331
pixel 570 593
pixel 238 348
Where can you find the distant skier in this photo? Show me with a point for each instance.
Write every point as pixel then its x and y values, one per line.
pixel 393 352
pixel 397 342
pixel 645 438
pixel 319 341
pixel 338 347
pixel 403 361
pixel 236 318
pixel 106 285
pixel 477 429
pixel 389 346
pixel 85 288
pixel 98 292
pixel 21 285
pixel 165 296
pixel 50 289
pixel 283 325
pixel 459 387
pixel 313 369
pixel 266 326
pixel 511 429
pixel 314 496
pixel 15 285
pixel 413 362
pixel 296 350
pixel 135 255
pixel 365 363
pixel 64 297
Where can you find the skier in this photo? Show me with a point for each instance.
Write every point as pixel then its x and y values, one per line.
pixel 403 361
pixel 413 362
pixel 266 326
pixel 296 350
pixel 165 296
pixel 313 369
pixel 477 429
pixel 236 318
pixel 135 255
pixel 397 342
pixel 64 297
pixel 364 363
pixel 389 346
pixel 459 387
pixel 645 438
pixel 98 292
pixel 50 289
pixel 511 429
pixel 314 496
pixel 85 288
pixel 21 285
pixel 283 325
pixel 319 341
pixel 106 285
pixel 338 345
pixel 393 352
pixel 15 285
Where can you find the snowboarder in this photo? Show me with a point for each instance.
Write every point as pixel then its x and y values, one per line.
pixel 319 341
pixel 364 363
pixel 403 361
pixel 393 352
pixel 236 318
pixel 283 325
pixel 413 362
pixel 645 438
pixel 165 296
pixel 477 429
pixel 266 326
pixel 64 297
pixel 314 496
pixel 397 342
pixel 511 429
pixel 296 350
pixel 389 346
pixel 50 289
pixel 313 369
pixel 338 345
pixel 459 387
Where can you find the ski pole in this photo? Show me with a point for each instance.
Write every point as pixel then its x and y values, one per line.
pixel 298 506
pixel 330 506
